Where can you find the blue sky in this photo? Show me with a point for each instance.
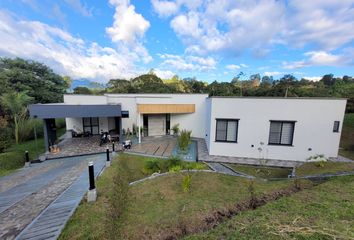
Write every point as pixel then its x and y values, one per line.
pixel 210 40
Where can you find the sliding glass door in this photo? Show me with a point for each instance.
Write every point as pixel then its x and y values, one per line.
pixel 91 125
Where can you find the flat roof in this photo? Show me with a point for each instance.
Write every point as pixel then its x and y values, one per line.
pixel 63 110
pixel 284 98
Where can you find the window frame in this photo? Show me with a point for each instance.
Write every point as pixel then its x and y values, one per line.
pixel 237 120
pixel 337 129
pixel 281 132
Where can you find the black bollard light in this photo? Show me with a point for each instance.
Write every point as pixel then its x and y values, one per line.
pixel 91 194
pixel 113 148
pixel 27 161
pixel 107 153
pixel 108 162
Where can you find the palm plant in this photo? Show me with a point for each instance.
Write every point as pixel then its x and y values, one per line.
pixel 16 103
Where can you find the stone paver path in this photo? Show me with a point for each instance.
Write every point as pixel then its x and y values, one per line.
pixel 24 200
pixel 49 224
pixel 218 167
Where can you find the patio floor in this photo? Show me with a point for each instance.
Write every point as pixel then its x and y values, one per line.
pixel 162 146
pixel 80 146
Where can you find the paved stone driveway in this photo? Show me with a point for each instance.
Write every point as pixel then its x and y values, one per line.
pixel 26 193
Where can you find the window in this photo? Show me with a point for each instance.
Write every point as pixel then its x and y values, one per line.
pixel 281 133
pixel 336 126
pixel 91 125
pixel 226 130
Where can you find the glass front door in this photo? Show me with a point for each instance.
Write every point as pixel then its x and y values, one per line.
pixel 91 125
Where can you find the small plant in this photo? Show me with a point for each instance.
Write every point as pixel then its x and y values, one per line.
pixel 175 129
pixel 251 190
pixel 184 139
pixel 319 159
pixel 186 183
pixel 135 129
pixel 151 166
pixel 195 166
pixel 175 169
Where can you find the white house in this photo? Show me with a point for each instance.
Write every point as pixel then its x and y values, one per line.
pixel 249 127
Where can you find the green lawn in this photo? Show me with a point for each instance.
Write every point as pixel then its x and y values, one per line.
pixel 157 208
pixel 324 212
pixel 261 172
pixel 13 158
pixel 313 168
pixel 305 169
pixel 347 137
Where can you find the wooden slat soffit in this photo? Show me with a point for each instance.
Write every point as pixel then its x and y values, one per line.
pixel 166 108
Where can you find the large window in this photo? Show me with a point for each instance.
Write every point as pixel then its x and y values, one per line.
pixel 91 125
pixel 281 132
pixel 226 130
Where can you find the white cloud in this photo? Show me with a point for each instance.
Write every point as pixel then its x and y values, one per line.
pixel 322 58
pixel 315 79
pixel 188 63
pixel 164 74
pixel 273 73
pixel 233 67
pixel 66 54
pixel 256 25
pixel 80 7
pixel 129 28
pixel 165 8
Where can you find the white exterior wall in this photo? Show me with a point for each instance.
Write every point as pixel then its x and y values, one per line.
pixel 74 123
pixel 190 121
pixel 313 128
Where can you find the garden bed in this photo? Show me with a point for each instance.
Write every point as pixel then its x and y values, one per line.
pixel 188 155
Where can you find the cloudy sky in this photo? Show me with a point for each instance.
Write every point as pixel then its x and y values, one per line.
pixel 211 39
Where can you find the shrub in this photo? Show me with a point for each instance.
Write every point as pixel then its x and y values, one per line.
pixel 186 183
pixel 175 129
pixel 60 123
pixel 26 129
pixel 151 166
pixel 195 166
pixel 176 168
pixel 184 139
pixel 5 134
pixel 11 160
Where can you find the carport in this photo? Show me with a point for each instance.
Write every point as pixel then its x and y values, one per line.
pixel 49 112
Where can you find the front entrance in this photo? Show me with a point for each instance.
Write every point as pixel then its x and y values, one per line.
pixel 156 124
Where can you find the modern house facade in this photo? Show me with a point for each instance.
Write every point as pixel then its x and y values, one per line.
pixel 248 127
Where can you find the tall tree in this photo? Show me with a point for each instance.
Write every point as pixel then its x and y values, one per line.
pixel 37 79
pixel 16 104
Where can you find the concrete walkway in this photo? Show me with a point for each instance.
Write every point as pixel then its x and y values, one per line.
pixel 22 201
pixel 203 155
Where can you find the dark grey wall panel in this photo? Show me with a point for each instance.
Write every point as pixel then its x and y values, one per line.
pixel 68 110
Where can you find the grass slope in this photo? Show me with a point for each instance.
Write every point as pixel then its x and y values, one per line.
pixel 323 212
pixel 347 137
pixel 156 208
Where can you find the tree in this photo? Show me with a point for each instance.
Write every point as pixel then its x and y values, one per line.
pixel 328 79
pixel 37 79
pixel 82 90
pixel 148 83
pixel 119 86
pixel 16 104
pixel 68 81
